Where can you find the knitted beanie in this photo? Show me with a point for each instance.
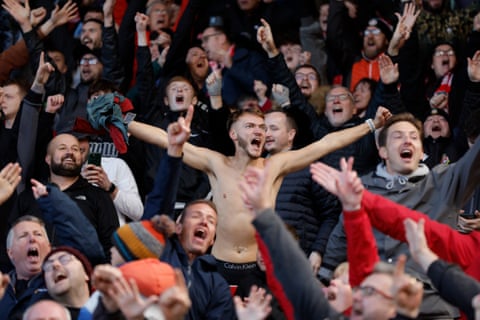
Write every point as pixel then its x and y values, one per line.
pixel 151 275
pixel 138 240
pixel 80 256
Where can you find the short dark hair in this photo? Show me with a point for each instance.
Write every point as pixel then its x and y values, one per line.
pixel 235 115
pixel 291 122
pixel 104 85
pixel 401 117
pixel 20 83
pixel 209 203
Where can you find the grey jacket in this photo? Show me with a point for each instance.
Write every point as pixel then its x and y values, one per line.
pixel 440 193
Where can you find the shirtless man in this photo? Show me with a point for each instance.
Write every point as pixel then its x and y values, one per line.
pixel 235 241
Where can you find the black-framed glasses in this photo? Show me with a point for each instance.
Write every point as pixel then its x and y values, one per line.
pixel 368 291
pixel 64 259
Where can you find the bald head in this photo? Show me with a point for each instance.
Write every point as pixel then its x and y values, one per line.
pixel 46 310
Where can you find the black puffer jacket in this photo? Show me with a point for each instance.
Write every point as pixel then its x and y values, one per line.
pixel 309 209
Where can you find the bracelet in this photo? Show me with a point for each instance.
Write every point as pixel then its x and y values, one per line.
pixel 371 125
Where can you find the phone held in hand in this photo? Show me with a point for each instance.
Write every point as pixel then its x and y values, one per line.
pixel 95 159
pixel 468 216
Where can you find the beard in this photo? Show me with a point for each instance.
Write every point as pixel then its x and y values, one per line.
pixel 243 144
pixel 70 170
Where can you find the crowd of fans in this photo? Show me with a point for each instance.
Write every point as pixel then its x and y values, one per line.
pixel 239 159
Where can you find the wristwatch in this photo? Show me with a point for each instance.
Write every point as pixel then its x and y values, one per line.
pixel 112 188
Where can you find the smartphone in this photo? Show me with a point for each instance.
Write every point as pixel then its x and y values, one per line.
pixel 468 216
pixel 95 159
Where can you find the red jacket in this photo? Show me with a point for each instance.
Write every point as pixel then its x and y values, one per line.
pixel 387 217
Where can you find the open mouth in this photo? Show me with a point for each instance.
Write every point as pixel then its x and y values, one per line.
pixel 200 233
pixel 256 142
pixel 445 62
pixel 32 252
pixel 179 99
pixel 59 277
pixel 406 154
pixel 337 110
pixel 436 128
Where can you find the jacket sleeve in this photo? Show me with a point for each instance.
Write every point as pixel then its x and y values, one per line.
pixel 112 69
pixel 127 200
pixel 161 200
pixel 27 133
pixel 328 207
pixel 336 251
pixel 15 56
pixel 454 286
pixel 69 223
pixel 107 221
pixel 293 284
pixel 361 246
pixel 446 242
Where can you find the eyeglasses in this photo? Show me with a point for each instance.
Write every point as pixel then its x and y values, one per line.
pixel 374 32
pixel 341 97
pixel 302 76
pixel 88 61
pixel 439 53
pixel 205 37
pixel 64 259
pixel 368 291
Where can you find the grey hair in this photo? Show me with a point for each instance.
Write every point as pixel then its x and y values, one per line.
pixel 26 314
pixel 23 219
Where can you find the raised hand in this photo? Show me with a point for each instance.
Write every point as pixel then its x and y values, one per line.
pixel 281 94
pixel 404 27
pixel 20 13
pixel 178 133
pixel 474 67
pixel 175 301
pixel 39 189
pixel 388 71
pixel 108 12
pixel 9 179
pixel 43 72
pixel 417 242
pixel 54 103
pixel 406 290
pixel 346 185
pixel 103 277
pixel 265 38
pixel 128 299
pixel 141 22
pixel 258 305
pixel 37 15
pixel 382 115
pixel 214 83
pixel 62 15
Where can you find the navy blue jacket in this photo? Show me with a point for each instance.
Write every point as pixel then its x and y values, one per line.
pixel 208 290
pixel 12 308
